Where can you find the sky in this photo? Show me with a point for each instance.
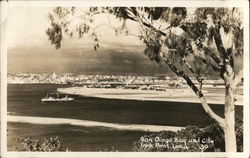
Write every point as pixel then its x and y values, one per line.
pixel 30 51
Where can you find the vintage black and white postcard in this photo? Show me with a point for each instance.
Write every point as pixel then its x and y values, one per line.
pixel 124 78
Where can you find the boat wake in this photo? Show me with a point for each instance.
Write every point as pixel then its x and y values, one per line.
pixel 87 123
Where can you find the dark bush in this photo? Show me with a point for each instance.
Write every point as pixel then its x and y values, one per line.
pixel 51 144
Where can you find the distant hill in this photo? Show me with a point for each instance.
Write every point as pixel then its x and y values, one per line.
pixel 104 61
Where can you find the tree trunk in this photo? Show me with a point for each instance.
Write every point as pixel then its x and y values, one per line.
pixel 230 138
pixel 227 123
pixel 229 128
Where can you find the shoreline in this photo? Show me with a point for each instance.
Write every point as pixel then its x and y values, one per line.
pixel 171 95
pixel 87 123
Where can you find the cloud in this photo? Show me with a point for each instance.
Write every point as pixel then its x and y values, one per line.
pixel 27 28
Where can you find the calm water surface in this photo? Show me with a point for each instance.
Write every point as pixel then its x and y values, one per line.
pixel 25 100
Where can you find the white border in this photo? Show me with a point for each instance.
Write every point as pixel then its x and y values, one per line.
pixel 154 3
pixel 4 7
pixel 246 100
pixel 3 51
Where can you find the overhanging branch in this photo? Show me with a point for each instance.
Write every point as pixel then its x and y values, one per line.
pixel 199 79
pixel 198 93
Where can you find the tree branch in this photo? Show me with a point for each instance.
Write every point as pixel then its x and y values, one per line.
pixel 198 93
pixel 135 18
pixel 192 71
pixel 228 62
pixel 205 57
pixel 209 54
pixel 219 44
pixel 199 44
pixel 238 78
pixel 76 17
pixel 205 61
pixel 207 51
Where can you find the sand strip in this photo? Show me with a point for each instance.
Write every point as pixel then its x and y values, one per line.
pixel 87 123
pixel 174 95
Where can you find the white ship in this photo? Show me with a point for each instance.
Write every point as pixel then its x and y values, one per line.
pixel 57 99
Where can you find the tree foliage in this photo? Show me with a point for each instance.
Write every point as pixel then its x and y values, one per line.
pixel 174 31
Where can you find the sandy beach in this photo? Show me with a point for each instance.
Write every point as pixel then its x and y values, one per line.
pixel 176 95
pixel 87 123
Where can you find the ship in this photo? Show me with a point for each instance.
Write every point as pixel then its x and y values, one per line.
pixel 57 99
